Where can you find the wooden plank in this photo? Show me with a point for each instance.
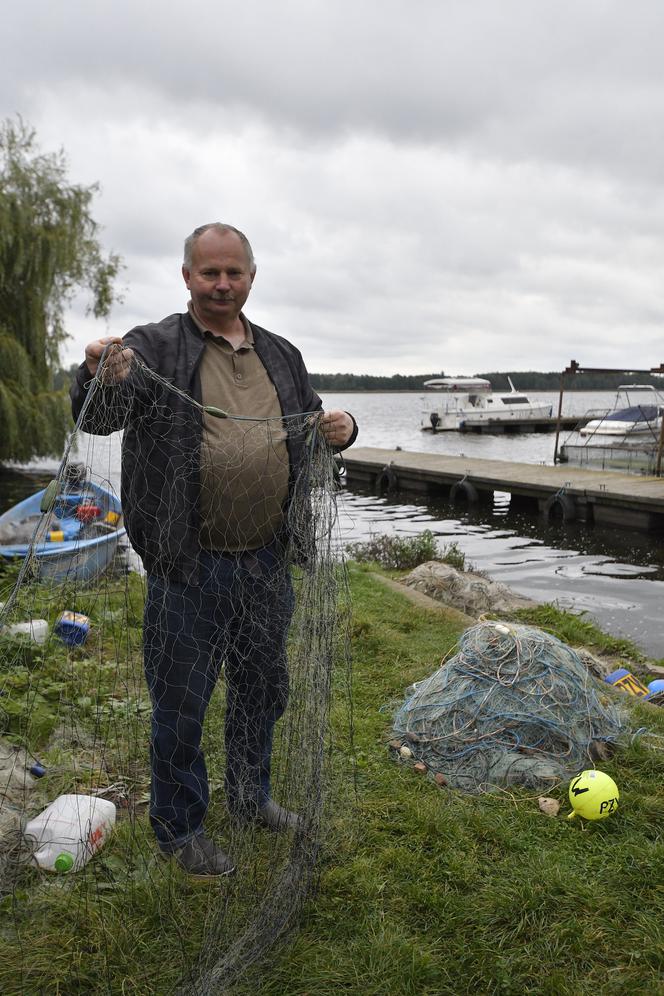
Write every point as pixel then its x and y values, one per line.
pixel 532 480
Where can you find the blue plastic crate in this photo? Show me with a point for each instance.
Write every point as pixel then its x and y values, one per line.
pixel 72 628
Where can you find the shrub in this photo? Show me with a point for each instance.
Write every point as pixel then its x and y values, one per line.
pixel 403 553
pixel 455 557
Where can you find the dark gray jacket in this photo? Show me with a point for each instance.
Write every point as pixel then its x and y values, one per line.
pixel 161 443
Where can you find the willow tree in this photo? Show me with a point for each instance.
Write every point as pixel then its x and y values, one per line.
pixel 49 250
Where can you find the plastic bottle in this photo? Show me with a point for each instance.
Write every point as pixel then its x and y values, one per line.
pixel 70 831
pixel 35 629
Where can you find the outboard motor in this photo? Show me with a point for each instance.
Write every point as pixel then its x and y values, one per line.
pixel 74 474
pixel 434 418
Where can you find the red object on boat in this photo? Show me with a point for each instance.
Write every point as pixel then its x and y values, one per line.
pixel 86 513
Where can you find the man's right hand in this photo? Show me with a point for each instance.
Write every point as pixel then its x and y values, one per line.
pixel 117 362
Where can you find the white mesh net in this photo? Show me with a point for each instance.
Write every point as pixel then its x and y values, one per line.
pixel 228 709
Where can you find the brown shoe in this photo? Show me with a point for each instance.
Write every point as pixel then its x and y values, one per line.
pixel 200 858
pixel 275 817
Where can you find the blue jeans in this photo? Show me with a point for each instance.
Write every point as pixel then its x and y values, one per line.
pixel 239 616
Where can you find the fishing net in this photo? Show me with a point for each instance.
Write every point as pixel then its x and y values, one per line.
pixel 76 704
pixel 514 706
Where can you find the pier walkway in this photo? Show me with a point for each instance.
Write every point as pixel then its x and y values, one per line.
pixel 627 501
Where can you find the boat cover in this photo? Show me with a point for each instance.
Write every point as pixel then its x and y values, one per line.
pixel 639 413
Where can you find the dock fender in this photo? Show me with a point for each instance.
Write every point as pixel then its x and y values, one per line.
pixel 560 506
pixel 387 481
pixel 465 491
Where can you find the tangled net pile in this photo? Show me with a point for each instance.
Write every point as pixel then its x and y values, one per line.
pixel 515 706
pixel 129 921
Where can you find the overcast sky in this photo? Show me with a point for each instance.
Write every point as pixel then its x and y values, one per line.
pixel 458 185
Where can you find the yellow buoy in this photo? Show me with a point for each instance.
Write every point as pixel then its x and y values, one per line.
pixel 593 795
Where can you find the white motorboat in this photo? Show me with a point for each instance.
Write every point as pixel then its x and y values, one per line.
pixel 632 415
pixel 623 438
pixel 470 401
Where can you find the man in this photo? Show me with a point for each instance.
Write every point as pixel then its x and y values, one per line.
pixel 205 502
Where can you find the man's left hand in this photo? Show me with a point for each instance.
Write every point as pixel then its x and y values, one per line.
pixel 337 427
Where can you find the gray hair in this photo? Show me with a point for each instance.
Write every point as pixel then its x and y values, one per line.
pixel 223 229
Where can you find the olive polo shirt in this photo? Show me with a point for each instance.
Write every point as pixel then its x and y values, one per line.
pixel 244 463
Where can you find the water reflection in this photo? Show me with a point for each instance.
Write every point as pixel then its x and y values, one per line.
pixel 616 577
pixel 18 484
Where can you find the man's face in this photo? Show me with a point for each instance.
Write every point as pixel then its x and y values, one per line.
pixel 219 279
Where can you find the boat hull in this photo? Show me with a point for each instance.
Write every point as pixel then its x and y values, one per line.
pixel 622 430
pixel 454 419
pixel 532 413
pixel 81 557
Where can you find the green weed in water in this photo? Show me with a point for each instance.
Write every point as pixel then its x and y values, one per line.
pixel 403 553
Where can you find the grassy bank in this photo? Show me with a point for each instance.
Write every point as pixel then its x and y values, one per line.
pixel 423 891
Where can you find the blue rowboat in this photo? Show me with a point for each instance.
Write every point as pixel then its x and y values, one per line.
pixel 76 541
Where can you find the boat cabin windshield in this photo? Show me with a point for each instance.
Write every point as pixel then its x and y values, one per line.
pixel 627 395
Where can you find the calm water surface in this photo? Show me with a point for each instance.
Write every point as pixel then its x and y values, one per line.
pixel 616 577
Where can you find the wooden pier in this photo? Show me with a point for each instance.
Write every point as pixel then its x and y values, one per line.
pixel 566 493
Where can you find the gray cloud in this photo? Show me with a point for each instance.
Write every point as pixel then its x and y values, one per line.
pixel 427 186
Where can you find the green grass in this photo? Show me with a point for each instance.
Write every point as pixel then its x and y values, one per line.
pixel 426 892
pixel 423 891
pixel 578 631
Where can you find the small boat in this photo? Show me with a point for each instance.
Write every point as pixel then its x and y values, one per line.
pixel 629 417
pixel 75 541
pixel 471 402
pixel 623 438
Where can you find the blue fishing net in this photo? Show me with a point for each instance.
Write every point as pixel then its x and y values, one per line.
pixel 514 706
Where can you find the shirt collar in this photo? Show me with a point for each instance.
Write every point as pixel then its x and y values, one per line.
pixel 203 329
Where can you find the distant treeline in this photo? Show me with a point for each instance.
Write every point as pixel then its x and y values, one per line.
pixel 523 380
pixel 368 382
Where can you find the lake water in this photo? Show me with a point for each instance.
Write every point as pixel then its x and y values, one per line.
pixel 616 577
